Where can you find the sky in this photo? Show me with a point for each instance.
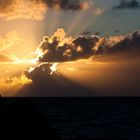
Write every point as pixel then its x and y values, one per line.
pixel 91 37
pixel 101 16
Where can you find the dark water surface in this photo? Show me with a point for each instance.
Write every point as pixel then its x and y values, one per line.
pixel 92 117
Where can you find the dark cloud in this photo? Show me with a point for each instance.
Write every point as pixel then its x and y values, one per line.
pixel 80 47
pixel 55 49
pixel 116 31
pixel 68 4
pixel 128 4
pixel 86 33
pixel 130 42
pixel 45 84
pixel 97 33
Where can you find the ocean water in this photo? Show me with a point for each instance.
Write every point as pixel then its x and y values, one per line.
pixel 103 118
pixel 92 117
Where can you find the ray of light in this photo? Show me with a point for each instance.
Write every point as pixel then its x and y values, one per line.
pixel 10 91
pixel 54 21
pixel 76 22
pixel 108 77
pixel 9 87
pixel 86 25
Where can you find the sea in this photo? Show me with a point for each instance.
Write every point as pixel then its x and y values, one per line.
pixel 103 118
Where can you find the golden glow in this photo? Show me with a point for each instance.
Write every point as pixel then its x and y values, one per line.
pixel 31 69
pixel 24 61
pixel 37 65
pixel 24 9
pixel 115 39
pixel 18 80
pixel 50 40
pixel 11 39
pixel 97 45
pixel 85 5
pixel 12 77
pixel 19 43
pixel 25 80
pixel 53 68
pixel 39 53
pixel 15 84
pixel 60 35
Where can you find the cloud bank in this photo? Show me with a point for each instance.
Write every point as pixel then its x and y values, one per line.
pixel 60 48
pixel 128 4
pixel 36 9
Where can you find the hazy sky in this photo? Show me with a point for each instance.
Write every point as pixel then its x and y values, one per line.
pixel 124 20
pixel 101 17
pixel 26 25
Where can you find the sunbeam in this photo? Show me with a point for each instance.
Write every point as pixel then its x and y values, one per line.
pixel 75 22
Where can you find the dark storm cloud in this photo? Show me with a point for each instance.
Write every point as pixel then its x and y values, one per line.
pixel 84 46
pixel 45 84
pixel 68 4
pixel 128 4
pixel 130 42
pixel 80 47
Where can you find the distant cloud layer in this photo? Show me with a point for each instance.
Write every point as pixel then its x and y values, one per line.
pixel 128 4
pixel 36 9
